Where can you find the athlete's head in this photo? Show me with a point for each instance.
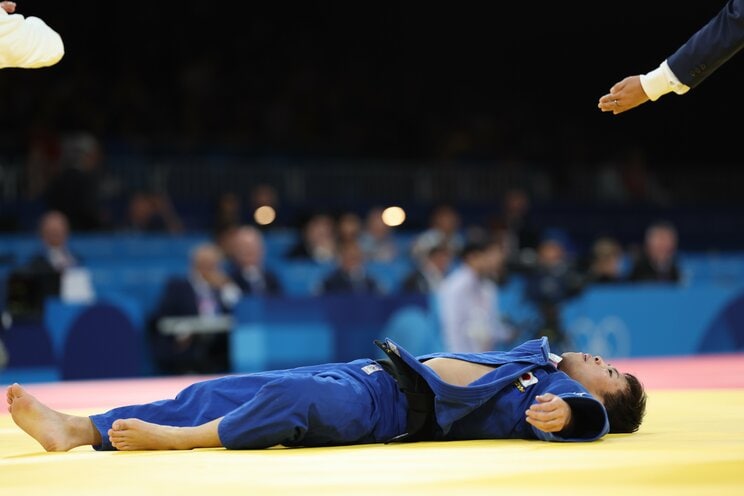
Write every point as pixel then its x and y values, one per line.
pixel 623 395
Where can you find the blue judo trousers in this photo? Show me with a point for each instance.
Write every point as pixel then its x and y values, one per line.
pixel 359 403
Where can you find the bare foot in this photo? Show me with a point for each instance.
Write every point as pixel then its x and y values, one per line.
pixel 135 434
pixel 55 431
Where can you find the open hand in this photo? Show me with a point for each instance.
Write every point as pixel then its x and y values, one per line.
pixel 549 414
pixel 625 95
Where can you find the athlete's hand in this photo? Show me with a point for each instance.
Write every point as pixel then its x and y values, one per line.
pixel 8 7
pixel 549 414
pixel 625 95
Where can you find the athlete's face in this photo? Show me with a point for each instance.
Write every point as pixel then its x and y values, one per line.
pixel 598 377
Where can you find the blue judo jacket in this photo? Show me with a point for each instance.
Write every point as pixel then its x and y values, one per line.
pixel 494 406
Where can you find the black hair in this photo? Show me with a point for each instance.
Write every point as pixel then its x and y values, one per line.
pixel 626 408
pixel 479 244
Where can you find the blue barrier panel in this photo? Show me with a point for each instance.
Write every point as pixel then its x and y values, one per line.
pixel 290 331
pixel 726 332
pixel 643 319
pixel 280 332
pixel 80 332
pixel 102 343
pixel 28 345
pixel 359 319
pixel 58 318
pixel 257 347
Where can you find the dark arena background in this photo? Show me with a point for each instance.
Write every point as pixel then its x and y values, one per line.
pixel 344 138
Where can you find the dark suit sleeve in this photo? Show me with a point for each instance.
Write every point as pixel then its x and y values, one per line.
pixel 374 286
pixel 178 299
pixel 273 284
pixel 711 46
pixel 239 280
pixel 411 283
pixel 39 263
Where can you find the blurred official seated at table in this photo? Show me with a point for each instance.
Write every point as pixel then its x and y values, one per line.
pixel 53 271
pixel 247 268
pixel 190 324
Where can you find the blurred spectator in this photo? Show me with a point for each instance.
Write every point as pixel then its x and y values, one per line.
pixel 228 212
pixel 444 227
pixel 206 292
pixel 550 283
pixel 514 225
pixel 75 284
pixel 76 189
pixel 152 213
pixel 606 262
pixel 468 301
pixel 348 227
pixel 54 271
pixel 226 223
pixel 658 261
pixel 429 273
pixel 350 276
pixel 377 239
pixel 56 256
pixel 249 272
pixel 225 241
pixel 318 240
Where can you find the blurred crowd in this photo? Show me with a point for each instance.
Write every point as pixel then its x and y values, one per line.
pixel 463 264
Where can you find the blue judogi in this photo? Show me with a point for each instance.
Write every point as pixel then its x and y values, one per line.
pixel 330 404
pixel 358 402
pixel 493 407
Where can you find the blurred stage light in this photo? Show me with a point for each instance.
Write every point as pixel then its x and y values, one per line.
pixel 393 216
pixel 264 215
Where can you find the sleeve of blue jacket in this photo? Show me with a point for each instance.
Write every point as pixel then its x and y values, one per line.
pixel 711 46
pixel 589 417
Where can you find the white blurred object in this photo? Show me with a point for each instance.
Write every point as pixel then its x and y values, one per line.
pixel 210 324
pixel 76 286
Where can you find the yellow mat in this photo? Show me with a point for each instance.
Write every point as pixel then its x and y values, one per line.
pixel 692 443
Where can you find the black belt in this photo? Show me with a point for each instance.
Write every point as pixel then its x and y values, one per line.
pixel 421 421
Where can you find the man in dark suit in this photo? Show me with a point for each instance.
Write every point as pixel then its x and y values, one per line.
pixel 206 291
pixel 248 270
pixel 318 240
pixel 705 51
pixel 350 276
pixel 41 276
pixel 658 262
pixel 54 231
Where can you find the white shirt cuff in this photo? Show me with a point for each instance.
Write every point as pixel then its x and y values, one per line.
pixel 661 81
